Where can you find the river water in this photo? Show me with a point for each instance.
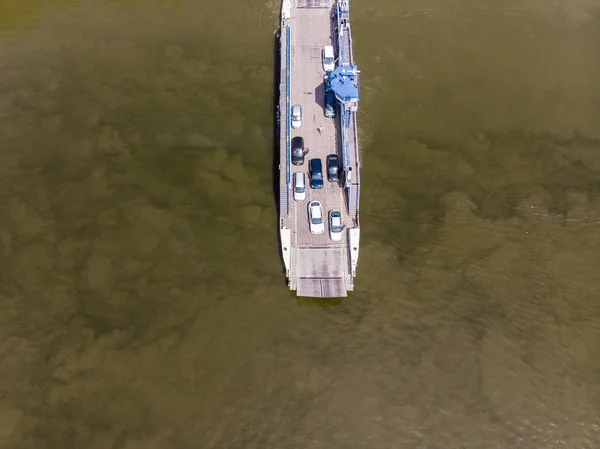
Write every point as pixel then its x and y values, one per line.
pixel 143 302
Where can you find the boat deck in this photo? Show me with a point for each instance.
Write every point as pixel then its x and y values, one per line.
pixel 316 266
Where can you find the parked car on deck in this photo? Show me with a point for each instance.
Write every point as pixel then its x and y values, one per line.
pixel 299 186
pixel 335 225
pixel 296 116
pixel 298 150
pixel 328 58
pixel 332 168
pixel 316 174
pixel 315 217
pixel 329 109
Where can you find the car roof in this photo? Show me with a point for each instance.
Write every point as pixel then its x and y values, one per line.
pixel 318 208
pixel 296 108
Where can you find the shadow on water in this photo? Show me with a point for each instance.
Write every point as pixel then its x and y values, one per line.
pixel 276 81
pixel 275 142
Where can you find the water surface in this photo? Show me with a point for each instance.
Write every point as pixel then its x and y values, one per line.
pixel 141 288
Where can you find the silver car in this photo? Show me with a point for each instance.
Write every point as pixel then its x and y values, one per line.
pixel 296 116
pixel 335 225
pixel 299 186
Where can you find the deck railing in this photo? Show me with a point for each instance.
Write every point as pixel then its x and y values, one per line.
pixel 287 101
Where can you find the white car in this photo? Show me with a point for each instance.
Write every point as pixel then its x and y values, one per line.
pixel 299 186
pixel 335 225
pixel 296 116
pixel 328 58
pixel 315 217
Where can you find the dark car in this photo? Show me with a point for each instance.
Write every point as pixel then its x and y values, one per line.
pixel 329 104
pixel 298 151
pixel 316 174
pixel 332 168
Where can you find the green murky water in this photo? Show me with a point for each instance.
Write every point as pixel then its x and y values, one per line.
pixel 143 303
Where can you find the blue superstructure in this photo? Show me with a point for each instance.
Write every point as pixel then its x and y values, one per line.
pixel 343 81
